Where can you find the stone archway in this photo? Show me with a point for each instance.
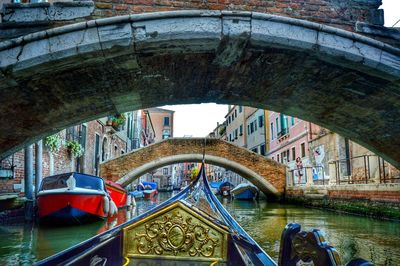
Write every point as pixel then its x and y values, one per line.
pixel 267 174
pixel 340 80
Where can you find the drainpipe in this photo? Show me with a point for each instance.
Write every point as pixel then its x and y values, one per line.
pixel 28 185
pixel 38 164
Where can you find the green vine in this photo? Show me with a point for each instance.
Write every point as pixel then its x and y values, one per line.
pixel 53 142
pixel 75 148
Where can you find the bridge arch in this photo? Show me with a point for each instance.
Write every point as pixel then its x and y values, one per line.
pixel 337 79
pixel 266 174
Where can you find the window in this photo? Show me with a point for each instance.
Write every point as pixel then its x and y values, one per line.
pixel 255 150
pixel 165 171
pixel 292 121
pixel 277 157
pixel 262 149
pixel 236 133
pixel 248 129
pixel 261 121
pixel 255 124
pixel 272 131
pixel 235 112
pixel 277 125
pixel 273 158
pixel 303 149
pixel 229 120
pixel 82 137
pixel 241 130
pixel 166 134
pixel 240 108
pixel 166 121
pixel 233 117
pixel 294 153
pixel 122 152
pixel 287 155
pixel 251 127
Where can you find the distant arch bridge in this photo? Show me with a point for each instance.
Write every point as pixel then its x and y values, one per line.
pixel 268 175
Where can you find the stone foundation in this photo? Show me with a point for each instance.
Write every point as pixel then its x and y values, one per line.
pixel 379 201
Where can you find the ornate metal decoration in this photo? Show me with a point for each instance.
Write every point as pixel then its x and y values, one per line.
pixel 176 232
pixel 306 246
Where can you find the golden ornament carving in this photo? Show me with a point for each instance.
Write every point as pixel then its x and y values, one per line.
pixel 176 232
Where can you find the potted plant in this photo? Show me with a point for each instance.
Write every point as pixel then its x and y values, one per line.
pixel 53 142
pixel 75 148
pixel 118 121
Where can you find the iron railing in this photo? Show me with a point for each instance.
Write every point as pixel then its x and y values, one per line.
pixel 364 170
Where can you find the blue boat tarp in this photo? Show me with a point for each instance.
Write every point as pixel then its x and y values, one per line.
pixel 226 184
pixel 215 184
pixel 153 185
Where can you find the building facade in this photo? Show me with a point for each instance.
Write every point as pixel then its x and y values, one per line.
pixel 158 125
pixel 100 141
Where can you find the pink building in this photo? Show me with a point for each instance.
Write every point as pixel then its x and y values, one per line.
pixel 289 139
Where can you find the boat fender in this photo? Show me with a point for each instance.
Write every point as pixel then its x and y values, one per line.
pixel 106 205
pixel 113 208
pixel 128 200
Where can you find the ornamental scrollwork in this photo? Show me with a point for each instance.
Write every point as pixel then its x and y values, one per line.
pixel 176 234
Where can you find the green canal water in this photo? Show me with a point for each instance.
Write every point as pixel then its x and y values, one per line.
pixel 353 236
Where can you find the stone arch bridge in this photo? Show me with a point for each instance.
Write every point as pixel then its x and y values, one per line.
pixel 266 174
pixel 298 65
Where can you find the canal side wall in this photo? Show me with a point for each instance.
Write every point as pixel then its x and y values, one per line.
pixel 374 200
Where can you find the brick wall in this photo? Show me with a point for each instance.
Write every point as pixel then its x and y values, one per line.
pixel 343 13
pixel 271 170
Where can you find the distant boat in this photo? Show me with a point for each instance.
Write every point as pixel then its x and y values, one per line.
pixel 117 193
pixel 72 198
pixel 150 189
pixel 245 192
pixel 215 187
pixel 138 192
pixel 225 188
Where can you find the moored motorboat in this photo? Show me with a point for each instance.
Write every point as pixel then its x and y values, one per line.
pixel 72 198
pixel 117 193
pixel 191 228
pixel 150 190
pixel 245 192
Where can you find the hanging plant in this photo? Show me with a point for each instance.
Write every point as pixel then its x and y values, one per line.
pixel 118 120
pixel 75 148
pixel 53 142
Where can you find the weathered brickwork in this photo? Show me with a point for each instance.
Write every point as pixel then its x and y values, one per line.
pixel 343 14
pixel 272 171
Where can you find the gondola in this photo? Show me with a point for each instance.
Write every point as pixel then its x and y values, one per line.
pixel 191 228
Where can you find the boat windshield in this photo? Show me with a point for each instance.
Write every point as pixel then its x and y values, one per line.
pixel 82 181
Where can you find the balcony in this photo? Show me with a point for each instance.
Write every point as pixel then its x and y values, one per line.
pixel 283 134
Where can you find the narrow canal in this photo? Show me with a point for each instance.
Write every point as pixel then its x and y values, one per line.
pixel 353 236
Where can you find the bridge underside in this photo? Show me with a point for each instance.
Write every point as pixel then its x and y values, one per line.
pixel 344 82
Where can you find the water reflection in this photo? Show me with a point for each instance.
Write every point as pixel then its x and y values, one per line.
pixel 353 236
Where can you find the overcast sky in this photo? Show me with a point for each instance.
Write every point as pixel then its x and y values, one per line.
pixel 197 120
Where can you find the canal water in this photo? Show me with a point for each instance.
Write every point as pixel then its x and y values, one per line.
pixel 353 236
